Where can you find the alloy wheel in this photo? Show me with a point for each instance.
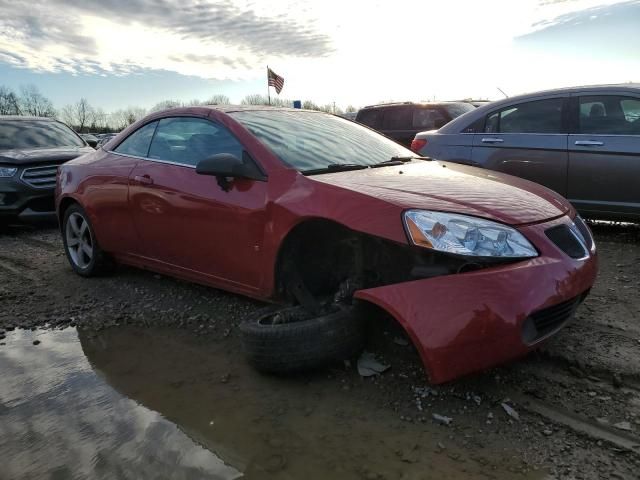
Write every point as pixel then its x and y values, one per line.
pixel 79 240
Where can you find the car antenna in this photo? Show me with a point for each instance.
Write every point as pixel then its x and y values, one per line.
pixel 502 92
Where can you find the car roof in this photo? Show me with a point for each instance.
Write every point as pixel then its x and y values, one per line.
pixel 463 121
pixel 402 104
pixel 23 117
pixel 239 108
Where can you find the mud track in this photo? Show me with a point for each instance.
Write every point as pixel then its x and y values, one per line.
pixel 577 399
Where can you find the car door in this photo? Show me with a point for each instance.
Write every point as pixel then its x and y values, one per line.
pixel 527 139
pixel 604 154
pixel 108 192
pixel 193 222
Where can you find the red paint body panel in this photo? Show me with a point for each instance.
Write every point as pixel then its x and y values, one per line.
pixel 167 218
pixel 472 321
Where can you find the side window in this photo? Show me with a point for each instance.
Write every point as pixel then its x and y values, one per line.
pixel 371 118
pixel 428 118
pixel 187 140
pixel 540 116
pixel 609 114
pixel 137 144
pixel 398 118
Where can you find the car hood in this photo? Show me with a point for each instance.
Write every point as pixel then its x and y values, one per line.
pixel 450 187
pixel 42 155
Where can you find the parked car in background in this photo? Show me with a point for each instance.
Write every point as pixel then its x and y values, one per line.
pixel 91 140
pixel 582 142
pixel 401 121
pixel 31 149
pixel 349 115
pixel 295 205
pixel 104 138
pixel 475 103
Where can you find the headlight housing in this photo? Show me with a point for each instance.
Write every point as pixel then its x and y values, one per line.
pixel 466 235
pixel 7 171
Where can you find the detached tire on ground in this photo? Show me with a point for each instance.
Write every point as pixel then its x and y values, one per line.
pixel 283 340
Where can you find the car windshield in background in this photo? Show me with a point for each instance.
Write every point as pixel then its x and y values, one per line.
pixel 309 141
pixel 25 134
pixel 457 109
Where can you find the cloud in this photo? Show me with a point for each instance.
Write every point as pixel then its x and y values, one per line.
pixel 63 35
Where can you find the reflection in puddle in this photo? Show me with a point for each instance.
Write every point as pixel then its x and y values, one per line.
pixel 59 420
pixel 151 404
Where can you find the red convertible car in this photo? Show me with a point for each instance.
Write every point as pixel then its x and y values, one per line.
pixel 478 267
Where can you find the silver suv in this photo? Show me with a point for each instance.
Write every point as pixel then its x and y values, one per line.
pixel 582 142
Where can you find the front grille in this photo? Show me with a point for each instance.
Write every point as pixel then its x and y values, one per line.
pixel 568 241
pixel 40 177
pixel 548 320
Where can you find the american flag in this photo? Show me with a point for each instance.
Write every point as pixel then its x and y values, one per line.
pixel 275 80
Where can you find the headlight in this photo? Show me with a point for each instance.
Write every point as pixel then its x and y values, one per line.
pixel 464 235
pixel 8 171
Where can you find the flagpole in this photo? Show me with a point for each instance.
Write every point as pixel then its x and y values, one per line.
pixel 268 91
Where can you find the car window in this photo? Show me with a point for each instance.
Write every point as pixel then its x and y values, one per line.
pixel 540 116
pixel 187 140
pixel 609 114
pixel 23 134
pixel 372 118
pixel 457 109
pixel 399 118
pixel 313 140
pixel 137 144
pixel 428 118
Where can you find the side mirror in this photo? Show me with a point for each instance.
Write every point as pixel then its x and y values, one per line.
pixel 227 165
pixel 92 143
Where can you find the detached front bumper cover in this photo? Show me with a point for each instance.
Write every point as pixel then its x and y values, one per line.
pixel 468 322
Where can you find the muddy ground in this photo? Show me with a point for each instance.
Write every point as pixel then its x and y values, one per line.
pixel 576 401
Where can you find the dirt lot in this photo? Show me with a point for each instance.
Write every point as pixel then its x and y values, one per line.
pixel 572 409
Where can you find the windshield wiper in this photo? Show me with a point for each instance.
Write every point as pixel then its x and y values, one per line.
pixel 408 158
pixel 335 167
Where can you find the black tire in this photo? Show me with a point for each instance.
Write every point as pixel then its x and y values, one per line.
pixel 301 345
pixel 100 263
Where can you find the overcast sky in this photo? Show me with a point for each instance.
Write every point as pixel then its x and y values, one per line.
pixel 137 52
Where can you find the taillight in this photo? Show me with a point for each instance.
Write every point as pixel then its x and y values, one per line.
pixel 417 144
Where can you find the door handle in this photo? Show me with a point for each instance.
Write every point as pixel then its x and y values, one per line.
pixel 143 179
pixel 589 143
pixel 492 140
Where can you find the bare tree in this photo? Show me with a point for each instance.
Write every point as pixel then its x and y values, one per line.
pixel 351 109
pixel 166 104
pixel 122 118
pixel 66 115
pixel 218 99
pixel 83 114
pixel 32 102
pixel 9 103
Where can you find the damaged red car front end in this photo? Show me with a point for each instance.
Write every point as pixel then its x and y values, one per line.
pixel 468 322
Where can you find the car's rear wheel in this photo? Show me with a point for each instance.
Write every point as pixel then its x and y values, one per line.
pixel 292 339
pixel 80 244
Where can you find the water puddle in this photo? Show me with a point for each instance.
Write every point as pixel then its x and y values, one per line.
pixel 128 403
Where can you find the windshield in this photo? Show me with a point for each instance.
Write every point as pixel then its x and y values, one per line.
pixel 309 141
pixel 23 134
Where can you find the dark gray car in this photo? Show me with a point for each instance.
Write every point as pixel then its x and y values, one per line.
pixel 582 142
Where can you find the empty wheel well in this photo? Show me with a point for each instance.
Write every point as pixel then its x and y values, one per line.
pixel 320 252
pixel 329 258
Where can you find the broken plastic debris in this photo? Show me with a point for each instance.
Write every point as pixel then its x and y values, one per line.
pixel 369 366
pixel 442 419
pixel 510 411
pixel 626 426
